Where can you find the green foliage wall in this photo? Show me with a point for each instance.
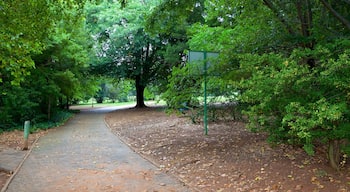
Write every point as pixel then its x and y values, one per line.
pixel 297 104
pixel 43 59
pixel 288 60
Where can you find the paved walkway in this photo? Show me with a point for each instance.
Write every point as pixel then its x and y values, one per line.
pixel 84 155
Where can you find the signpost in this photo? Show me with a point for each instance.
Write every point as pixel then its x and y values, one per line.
pixel 203 56
pixel 26 134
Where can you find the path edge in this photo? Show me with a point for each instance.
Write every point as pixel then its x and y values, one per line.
pixel 8 182
pixel 148 159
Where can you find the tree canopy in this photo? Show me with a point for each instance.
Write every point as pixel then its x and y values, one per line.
pixel 25 28
pixel 43 60
pixel 125 49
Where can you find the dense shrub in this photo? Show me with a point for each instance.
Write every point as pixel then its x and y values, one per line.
pixel 299 104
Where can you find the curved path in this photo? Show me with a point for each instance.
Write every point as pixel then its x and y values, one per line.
pixel 84 155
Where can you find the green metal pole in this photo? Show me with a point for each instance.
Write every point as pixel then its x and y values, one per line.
pixel 205 95
pixel 26 134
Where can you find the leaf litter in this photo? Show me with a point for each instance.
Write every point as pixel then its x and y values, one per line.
pixel 229 158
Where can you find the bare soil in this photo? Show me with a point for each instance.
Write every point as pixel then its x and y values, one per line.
pixel 229 158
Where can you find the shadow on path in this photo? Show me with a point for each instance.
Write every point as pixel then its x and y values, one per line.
pixel 84 155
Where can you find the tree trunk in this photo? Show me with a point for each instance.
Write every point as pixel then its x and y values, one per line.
pixel 334 154
pixel 304 11
pixel 67 103
pixel 280 16
pixel 61 104
pixel 140 103
pixel 337 15
pixel 49 108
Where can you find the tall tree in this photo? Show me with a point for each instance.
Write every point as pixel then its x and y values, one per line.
pixel 124 49
pixel 43 58
pixel 170 21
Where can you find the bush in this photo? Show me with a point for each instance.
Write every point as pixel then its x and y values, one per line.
pixel 296 103
pixel 183 87
pixel 17 106
pixel 59 118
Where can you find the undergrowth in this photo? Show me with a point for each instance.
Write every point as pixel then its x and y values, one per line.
pixel 39 123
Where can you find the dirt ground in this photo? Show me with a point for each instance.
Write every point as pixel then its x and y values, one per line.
pixel 229 158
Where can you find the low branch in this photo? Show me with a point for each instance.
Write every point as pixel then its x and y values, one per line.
pixel 343 20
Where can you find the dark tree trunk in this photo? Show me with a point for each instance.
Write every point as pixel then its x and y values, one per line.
pixel 49 108
pixel 67 103
pixel 342 19
pixel 140 103
pixel 304 11
pixel 334 154
pixel 281 17
pixel 61 104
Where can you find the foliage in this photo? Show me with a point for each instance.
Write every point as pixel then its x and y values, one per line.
pixel 43 62
pixel 149 95
pixel 169 21
pixel 18 98
pixel 123 49
pixel 25 27
pixel 58 119
pixel 297 93
pixel 18 39
pixel 296 104
pixel 287 60
pixel 184 88
pixel 117 91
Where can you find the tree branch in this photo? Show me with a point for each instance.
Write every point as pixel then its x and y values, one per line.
pixel 271 6
pixel 343 20
pixel 347 1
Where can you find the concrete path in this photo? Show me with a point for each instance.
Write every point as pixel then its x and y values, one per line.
pixel 10 159
pixel 84 155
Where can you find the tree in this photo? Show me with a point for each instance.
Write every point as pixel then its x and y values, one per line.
pixel 287 88
pixel 170 21
pixel 124 49
pixel 64 62
pixel 310 109
pixel 284 58
pixel 43 59
pixel 24 29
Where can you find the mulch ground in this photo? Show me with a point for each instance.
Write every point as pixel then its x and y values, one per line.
pixel 229 158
